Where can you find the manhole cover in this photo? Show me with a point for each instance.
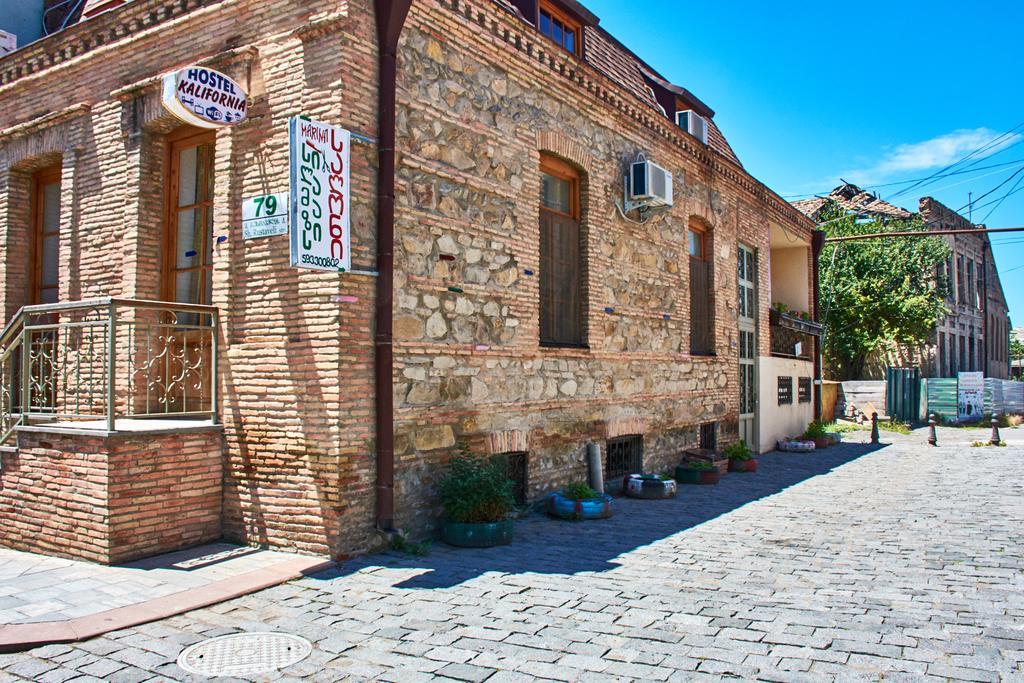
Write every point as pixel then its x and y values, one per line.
pixel 244 654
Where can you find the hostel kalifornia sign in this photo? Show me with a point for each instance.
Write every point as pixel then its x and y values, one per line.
pixel 320 216
pixel 204 97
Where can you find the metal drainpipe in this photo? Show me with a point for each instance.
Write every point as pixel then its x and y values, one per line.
pixel 390 16
pixel 984 305
pixel 817 244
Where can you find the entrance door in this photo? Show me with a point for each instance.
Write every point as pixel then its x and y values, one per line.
pixel 747 291
pixel 44 286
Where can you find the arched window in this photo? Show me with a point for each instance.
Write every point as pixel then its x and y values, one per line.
pixel 702 289
pixel 562 266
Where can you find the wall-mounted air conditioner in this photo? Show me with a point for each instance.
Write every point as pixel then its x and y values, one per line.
pixel 649 185
pixel 694 124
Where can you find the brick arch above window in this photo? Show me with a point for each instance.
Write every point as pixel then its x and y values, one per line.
pixel 560 145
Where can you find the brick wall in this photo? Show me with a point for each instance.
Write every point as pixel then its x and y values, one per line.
pixel 479 99
pixel 111 499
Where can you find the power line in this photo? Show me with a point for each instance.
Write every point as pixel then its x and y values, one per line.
pixel 1003 199
pixel 914 180
pixel 983 148
pixel 919 233
pixel 972 203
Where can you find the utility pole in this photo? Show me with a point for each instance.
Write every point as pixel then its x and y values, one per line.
pixel 970 207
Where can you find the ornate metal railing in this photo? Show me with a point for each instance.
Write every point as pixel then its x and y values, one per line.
pixel 104 359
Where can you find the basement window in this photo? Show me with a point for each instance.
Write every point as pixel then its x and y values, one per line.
pixel 625 456
pixel 517 465
pixel 559 27
pixel 708 436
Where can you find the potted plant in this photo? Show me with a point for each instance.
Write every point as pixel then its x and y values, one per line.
pixel 816 433
pixel 698 472
pixel 579 501
pixel 649 486
pixel 477 498
pixel 740 458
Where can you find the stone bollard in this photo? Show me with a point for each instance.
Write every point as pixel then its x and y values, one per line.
pixel 995 440
pixel 933 439
pixel 874 428
pixel 595 472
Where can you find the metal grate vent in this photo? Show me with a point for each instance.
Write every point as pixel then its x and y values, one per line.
pixel 244 654
pixel 625 456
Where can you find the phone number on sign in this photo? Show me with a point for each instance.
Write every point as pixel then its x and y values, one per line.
pixel 321 261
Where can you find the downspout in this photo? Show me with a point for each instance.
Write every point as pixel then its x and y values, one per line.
pixel 984 304
pixel 817 244
pixel 391 16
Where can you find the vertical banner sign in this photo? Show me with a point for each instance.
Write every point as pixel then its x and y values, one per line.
pixel 320 216
pixel 970 400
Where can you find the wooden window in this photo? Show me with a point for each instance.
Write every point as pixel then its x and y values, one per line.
pixel 785 391
pixel 961 293
pixel 562 267
pixel 625 456
pixel 188 258
pixel 554 23
pixel 702 293
pixel 804 390
pixel 44 286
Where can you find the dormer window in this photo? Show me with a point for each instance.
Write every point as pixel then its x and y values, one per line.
pixel 559 27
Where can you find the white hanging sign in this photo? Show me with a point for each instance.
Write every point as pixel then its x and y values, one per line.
pixel 320 215
pixel 265 215
pixel 204 97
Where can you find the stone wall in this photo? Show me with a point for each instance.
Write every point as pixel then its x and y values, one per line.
pixel 480 98
pixel 111 499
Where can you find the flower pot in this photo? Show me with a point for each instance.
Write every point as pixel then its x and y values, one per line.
pixel 743 465
pixel 684 475
pixel 823 442
pixel 835 438
pixel 649 488
pixel 477 535
pixel 564 507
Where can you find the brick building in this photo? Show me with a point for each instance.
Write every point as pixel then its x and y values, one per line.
pixel 521 306
pixel 975 334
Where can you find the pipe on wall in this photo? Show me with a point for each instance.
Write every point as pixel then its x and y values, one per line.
pixel 817 244
pixel 390 15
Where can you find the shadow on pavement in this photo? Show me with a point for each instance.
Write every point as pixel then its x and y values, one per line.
pixel 550 546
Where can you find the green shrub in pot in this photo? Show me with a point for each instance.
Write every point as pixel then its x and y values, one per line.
pixel 477 497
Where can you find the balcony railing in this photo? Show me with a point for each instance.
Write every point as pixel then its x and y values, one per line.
pixel 104 359
pixel 792 336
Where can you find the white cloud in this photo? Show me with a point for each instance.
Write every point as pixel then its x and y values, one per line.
pixel 936 153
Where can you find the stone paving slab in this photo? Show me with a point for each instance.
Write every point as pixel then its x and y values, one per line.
pixel 38 588
pixel 855 563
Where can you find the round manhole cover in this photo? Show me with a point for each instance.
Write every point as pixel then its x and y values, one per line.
pixel 244 654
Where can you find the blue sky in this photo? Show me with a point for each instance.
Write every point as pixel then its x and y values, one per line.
pixel 873 92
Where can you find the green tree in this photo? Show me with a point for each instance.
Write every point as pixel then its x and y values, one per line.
pixel 1016 348
pixel 877 292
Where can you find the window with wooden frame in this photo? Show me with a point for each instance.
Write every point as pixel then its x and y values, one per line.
pixel 561 28
pixel 804 390
pixel 562 266
pixel 44 284
pixel 702 290
pixel 188 237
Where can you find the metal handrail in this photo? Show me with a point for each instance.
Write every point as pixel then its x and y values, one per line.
pixel 87 360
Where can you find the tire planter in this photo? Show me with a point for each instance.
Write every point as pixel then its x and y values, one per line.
pixel 567 508
pixel 479 535
pixel 743 465
pixel 684 475
pixel 795 446
pixel 648 488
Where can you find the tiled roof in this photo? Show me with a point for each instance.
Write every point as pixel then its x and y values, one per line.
pixel 854 200
pixel 606 54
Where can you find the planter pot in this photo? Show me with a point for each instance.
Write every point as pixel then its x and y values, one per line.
pixel 567 508
pixel 743 465
pixel 684 475
pixel 835 437
pixel 478 535
pixel 649 488
pixel 716 458
pixel 823 442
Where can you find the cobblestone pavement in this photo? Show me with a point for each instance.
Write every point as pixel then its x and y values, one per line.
pixel 902 562
pixel 37 588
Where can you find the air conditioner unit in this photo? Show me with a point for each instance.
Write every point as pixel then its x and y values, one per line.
pixel 694 124
pixel 649 185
